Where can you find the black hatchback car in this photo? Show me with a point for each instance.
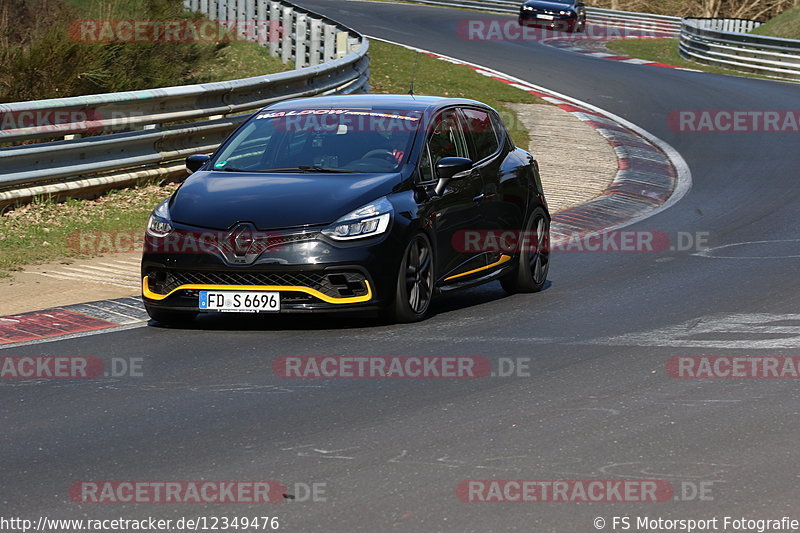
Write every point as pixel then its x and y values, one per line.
pixel 560 15
pixel 349 203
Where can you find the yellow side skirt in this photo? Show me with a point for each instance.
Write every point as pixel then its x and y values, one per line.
pixel 150 295
pixel 503 259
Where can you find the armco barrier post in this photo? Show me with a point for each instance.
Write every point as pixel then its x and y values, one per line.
pixel 287 21
pixel 300 42
pixel 274 25
pixel 329 46
pixel 315 48
pixel 341 44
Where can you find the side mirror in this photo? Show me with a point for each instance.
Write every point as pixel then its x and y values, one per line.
pixel 194 162
pixel 449 168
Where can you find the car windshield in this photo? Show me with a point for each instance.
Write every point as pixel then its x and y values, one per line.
pixel 320 140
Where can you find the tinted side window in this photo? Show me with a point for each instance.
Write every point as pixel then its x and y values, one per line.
pixel 445 140
pixel 480 129
pixel 425 168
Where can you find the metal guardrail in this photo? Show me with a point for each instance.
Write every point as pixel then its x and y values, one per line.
pixel 724 43
pixel 145 132
pixel 661 24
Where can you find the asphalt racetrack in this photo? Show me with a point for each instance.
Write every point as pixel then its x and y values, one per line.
pixel 594 399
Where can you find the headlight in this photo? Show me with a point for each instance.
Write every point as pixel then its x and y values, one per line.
pixel 368 221
pixel 159 224
pixel 527 8
pixel 565 12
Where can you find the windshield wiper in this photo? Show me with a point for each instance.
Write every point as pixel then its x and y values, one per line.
pixel 315 168
pixel 301 168
pixel 234 169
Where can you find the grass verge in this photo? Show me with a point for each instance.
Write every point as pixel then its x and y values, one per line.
pixel 666 51
pixel 40 232
pixel 786 25
pixel 393 68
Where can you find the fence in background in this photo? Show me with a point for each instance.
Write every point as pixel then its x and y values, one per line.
pixel 726 43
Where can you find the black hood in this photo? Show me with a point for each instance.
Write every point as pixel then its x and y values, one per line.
pixel 552 6
pixel 218 200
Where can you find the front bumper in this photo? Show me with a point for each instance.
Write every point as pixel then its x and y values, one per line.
pixel 312 275
pixel 558 22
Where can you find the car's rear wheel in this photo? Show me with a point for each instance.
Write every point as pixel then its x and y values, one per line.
pixel 414 288
pixel 533 261
pixel 170 317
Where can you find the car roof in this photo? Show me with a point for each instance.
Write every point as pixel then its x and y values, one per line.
pixel 403 102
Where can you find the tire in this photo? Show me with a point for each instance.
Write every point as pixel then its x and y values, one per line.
pixel 533 261
pixel 415 281
pixel 170 317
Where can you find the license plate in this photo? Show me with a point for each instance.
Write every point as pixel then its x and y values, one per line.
pixel 545 17
pixel 240 301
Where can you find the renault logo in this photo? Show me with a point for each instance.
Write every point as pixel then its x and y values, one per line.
pixel 241 239
pixel 239 245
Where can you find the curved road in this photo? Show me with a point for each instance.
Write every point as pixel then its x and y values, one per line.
pixel 597 404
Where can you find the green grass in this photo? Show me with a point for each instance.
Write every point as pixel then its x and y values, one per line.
pixel 393 69
pixel 47 231
pixel 785 25
pixel 42 54
pixel 665 51
pixel 236 61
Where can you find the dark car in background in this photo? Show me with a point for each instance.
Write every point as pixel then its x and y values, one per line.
pixel 560 15
pixel 347 203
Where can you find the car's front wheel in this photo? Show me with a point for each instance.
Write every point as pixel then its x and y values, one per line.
pixel 415 280
pixel 170 317
pixel 533 262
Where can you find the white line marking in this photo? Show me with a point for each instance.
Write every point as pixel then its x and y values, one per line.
pixel 120 274
pixel 75 335
pixel 137 308
pixel 110 311
pixel 710 252
pixel 743 332
pixel 75 277
pixel 123 268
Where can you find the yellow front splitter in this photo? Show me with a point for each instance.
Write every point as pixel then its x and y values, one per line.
pixel 150 295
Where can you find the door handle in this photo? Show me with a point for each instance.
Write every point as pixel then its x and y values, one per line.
pixel 478 199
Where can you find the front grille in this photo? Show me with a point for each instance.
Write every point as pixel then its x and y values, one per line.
pixel 334 285
pixel 261 245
